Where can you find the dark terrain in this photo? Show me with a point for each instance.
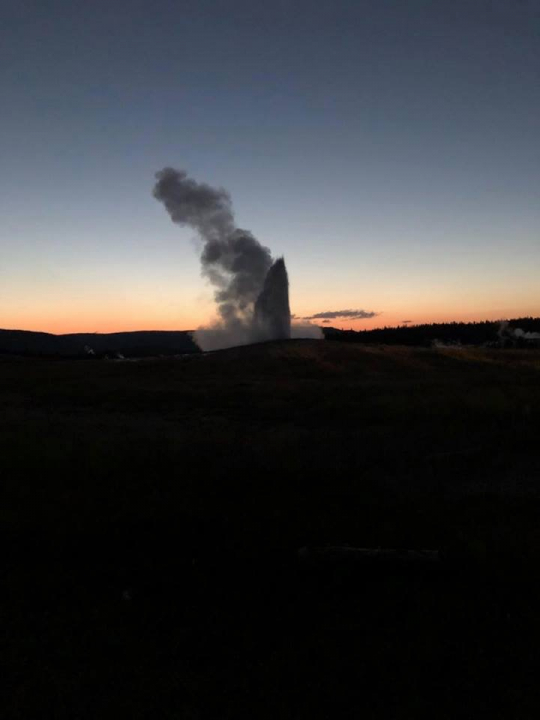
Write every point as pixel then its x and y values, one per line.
pixel 163 524
pixel 129 344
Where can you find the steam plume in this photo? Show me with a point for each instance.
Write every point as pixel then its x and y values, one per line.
pixel 252 291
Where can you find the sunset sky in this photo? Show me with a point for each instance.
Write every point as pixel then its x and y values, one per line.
pixel 390 150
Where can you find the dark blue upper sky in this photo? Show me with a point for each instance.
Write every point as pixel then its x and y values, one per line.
pixel 390 149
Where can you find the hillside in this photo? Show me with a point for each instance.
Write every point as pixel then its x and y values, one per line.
pixel 284 419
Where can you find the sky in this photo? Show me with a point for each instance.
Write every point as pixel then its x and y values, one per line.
pixel 389 150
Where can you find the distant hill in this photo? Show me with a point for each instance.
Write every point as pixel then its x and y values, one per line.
pixel 494 333
pixel 129 344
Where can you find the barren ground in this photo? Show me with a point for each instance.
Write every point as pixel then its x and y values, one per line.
pixel 152 512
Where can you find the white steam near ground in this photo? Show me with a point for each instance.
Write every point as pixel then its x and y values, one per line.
pixel 251 287
pixel 506 331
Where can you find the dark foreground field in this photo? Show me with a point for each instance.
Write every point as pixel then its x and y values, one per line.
pixel 162 524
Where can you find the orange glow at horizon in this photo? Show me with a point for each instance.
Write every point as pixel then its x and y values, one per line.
pixel 394 319
pixel 103 320
pixel 120 320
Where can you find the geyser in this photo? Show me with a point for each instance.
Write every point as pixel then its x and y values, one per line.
pixel 272 317
pixel 252 291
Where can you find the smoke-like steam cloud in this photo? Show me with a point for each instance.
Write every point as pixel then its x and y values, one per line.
pixel 252 291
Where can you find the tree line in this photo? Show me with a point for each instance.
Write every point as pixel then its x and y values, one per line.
pixel 487 332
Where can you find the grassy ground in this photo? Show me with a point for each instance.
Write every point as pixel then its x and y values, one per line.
pixel 152 512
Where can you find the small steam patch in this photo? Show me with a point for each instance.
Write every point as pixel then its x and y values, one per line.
pixel 306 330
pixel 509 335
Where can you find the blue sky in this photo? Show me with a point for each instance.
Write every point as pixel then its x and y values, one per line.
pixel 390 150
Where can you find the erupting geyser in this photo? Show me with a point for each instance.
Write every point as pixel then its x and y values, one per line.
pixel 272 316
pixel 252 291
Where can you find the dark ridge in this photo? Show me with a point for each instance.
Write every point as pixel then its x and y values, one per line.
pixel 144 343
